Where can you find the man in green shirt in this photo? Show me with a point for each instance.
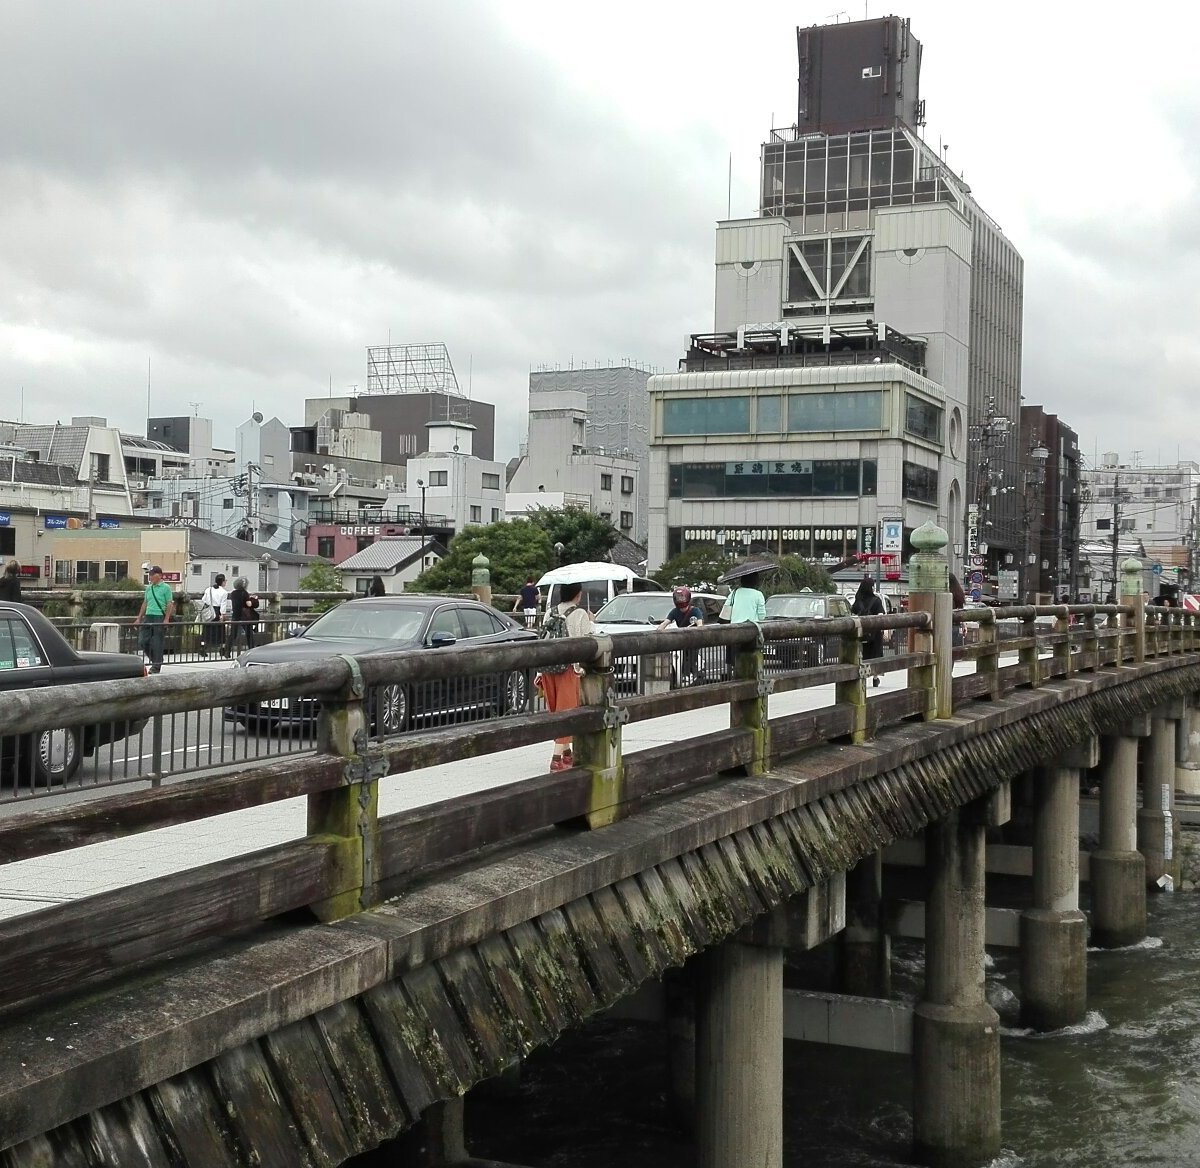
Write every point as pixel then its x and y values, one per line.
pixel 158 606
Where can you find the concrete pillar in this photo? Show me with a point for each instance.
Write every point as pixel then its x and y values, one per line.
pixel 679 1000
pixel 1117 868
pixel 436 1141
pixel 1187 752
pixel 739 1057
pixel 1157 834
pixel 956 1034
pixel 1054 931
pixel 865 948
pixel 106 638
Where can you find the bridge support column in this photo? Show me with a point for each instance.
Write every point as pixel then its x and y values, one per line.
pixel 437 1141
pixel 865 947
pixel 1054 931
pixel 1117 868
pixel 956 1034
pixel 1187 751
pixel 739 1057
pixel 1156 828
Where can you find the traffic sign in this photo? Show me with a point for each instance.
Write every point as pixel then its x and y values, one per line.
pixel 1156 568
pixel 977 561
pixel 976 578
pixel 976 593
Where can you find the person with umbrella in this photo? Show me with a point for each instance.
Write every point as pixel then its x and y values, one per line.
pixel 746 602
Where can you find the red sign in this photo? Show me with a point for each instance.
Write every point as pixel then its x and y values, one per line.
pixel 30 572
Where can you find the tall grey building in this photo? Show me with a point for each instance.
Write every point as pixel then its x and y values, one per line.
pixel 618 416
pixel 864 320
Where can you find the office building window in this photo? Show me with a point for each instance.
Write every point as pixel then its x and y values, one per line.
pixel 797 478
pixel 626 484
pixel 922 418
pixel 363 542
pixel 491 482
pixel 706 415
pixel 227 504
pixel 626 520
pixel 808 412
pixel 439 478
pixel 769 419
pixel 116 569
pixel 495 514
pixel 920 483
pixel 476 514
pixel 325 546
pixel 606 482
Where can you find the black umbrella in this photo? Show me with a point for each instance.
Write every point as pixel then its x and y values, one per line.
pixel 751 567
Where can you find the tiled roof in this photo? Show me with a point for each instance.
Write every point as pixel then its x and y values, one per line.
pixel 386 555
pixel 211 545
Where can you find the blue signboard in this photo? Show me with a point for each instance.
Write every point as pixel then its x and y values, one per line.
pixel 107 524
pixel 55 522
pixel 5 518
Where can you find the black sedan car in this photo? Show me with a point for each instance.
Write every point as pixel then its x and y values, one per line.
pixel 386 624
pixel 34 654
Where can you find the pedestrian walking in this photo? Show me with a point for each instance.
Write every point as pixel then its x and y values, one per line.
pixel 243 615
pixel 867 603
pixel 212 617
pixel 560 684
pixel 527 602
pixel 158 607
pixel 10 582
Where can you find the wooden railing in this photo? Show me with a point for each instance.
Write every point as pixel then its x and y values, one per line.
pixel 352 857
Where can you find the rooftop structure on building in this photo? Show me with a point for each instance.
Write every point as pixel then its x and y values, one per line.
pixel 868 252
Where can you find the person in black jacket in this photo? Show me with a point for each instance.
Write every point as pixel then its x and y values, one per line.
pixel 243 615
pixel 867 603
pixel 10 582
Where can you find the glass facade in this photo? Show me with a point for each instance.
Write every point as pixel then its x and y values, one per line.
pixel 808 412
pixel 706 415
pixel 920 483
pixel 838 174
pixel 797 478
pixel 922 418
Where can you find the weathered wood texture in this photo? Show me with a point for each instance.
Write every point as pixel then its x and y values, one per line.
pixel 471 969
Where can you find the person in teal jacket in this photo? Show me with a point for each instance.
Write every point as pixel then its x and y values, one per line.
pixel 746 603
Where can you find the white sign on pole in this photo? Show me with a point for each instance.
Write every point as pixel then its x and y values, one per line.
pixel 1007 584
pixel 893 536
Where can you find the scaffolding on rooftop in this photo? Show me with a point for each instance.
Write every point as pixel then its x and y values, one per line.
pixel 411 369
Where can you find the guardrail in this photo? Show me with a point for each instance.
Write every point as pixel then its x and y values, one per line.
pixel 352 857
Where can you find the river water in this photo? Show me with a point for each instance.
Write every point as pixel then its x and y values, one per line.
pixel 1121 1089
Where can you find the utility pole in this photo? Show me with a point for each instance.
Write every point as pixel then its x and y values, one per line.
pixel 1116 528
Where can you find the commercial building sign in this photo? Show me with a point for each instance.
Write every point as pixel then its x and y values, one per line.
pixel 5 518
pixel 55 522
pixel 764 468
pixel 107 524
pixel 892 539
pixel 358 530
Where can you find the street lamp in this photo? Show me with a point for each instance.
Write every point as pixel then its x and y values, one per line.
pixel 421 484
pixel 1035 478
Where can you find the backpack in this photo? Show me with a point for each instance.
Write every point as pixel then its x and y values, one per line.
pixel 553 628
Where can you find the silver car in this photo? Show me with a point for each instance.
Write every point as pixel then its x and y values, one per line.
pixel 633 613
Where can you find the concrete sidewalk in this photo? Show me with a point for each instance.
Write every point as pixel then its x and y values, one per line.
pixel 32 884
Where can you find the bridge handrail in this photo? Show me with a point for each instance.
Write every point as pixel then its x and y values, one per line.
pixel 72 944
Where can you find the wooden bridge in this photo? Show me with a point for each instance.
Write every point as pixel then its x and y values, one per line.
pixel 307 1002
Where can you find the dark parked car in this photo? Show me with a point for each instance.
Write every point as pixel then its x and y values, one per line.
pixel 387 624
pixel 802 652
pixel 34 654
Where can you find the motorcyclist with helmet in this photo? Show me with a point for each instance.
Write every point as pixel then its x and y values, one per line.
pixel 684 615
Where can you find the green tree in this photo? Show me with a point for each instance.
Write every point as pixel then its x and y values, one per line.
pixel 796 573
pixel 515 551
pixel 584 536
pixel 699 566
pixel 322 577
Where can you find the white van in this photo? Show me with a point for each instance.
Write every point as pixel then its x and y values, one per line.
pixel 601 582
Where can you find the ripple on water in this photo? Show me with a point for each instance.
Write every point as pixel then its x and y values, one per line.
pixel 1144 943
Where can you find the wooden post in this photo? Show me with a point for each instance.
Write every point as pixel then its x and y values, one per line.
pixel 929 591
pixel 1028 656
pixel 600 752
pixel 988 661
pixel 1131 594
pixel 853 693
pixel 347 815
pixel 749 664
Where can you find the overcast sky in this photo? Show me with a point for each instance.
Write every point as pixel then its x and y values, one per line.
pixel 248 193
